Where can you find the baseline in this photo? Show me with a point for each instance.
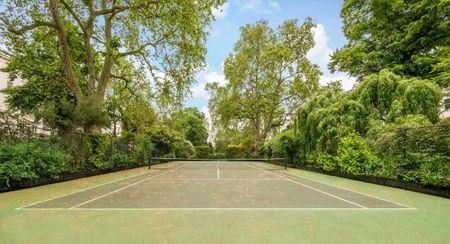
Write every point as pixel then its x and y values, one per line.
pixel 217 209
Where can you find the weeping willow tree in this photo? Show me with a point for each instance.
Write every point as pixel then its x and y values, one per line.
pixel 327 117
pixel 380 98
pixel 390 96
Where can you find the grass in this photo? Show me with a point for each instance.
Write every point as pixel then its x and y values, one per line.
pixel 430 223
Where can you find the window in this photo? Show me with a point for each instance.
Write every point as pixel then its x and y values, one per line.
pixel 447 104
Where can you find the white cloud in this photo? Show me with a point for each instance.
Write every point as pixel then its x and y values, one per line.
pixel 198 91
pixel 275 5
pixel 259 6
pixel 221 11
pixel 320 54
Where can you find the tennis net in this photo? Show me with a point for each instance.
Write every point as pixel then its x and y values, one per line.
pixel 238 164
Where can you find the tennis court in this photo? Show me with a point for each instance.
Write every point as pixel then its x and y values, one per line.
pixel 216 185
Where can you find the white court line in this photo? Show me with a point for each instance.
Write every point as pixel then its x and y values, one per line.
pixel 218 172
pixel 221 179
pixel 368 195
pixel 92 187
pixel 125 187
pixel 310 187
pixel 217 209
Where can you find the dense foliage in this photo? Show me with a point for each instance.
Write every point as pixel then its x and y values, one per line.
pixel 192 124
pixel 409 37
pixel 108 80
pixel 31 159
pixel 85 44
pixel 383 128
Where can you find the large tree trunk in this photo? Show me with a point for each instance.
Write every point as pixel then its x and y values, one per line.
pixel 65 52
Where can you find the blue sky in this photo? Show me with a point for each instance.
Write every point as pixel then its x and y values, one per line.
pixel 232 15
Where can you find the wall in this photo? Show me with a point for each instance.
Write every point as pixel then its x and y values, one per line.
pixel 4 81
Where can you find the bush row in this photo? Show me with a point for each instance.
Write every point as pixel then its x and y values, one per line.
pixel 31 159
pixel 382 155
pixel 50 157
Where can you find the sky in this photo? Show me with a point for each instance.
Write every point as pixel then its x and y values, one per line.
pixel 224 32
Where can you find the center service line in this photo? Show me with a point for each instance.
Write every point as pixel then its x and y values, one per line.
pixel 218 171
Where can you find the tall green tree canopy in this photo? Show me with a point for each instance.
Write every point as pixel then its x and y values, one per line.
pixel 192 124
pixel 268 76
pixel 167 38
pixel 409 37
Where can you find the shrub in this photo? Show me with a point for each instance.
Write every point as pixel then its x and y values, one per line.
pixel 121 159
pixel 132 149
pixel 31 159
pixel 235 151
pixel 326 162
pixel 218 155
pixel 184 149
pixel 202 152
pixel 163 140
pixel 169 155
pixel 96 148
pixel 354 156
pixel 435 171
pixel 288 145
pixel 311 159
pixel 265 150
pixel 142 149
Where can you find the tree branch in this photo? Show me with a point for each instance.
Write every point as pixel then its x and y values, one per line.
pixel 142 47
pixel 127 82
pixel 117 9
pixel 23 29
pixel 74 15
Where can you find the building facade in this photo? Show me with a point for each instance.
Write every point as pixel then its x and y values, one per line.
pixel 445 112
pixel 5 82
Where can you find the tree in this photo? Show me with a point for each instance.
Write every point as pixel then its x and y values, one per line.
pixel 416 96
pixel 167 37
pixel 378 91
pixel 328 116
pixel 268 77
pixel 45 94
pixel 128 101
pixel 390 96
pixel 192 124
pixel 408 37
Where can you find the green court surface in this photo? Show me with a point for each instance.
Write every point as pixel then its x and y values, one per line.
pixel 221 202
